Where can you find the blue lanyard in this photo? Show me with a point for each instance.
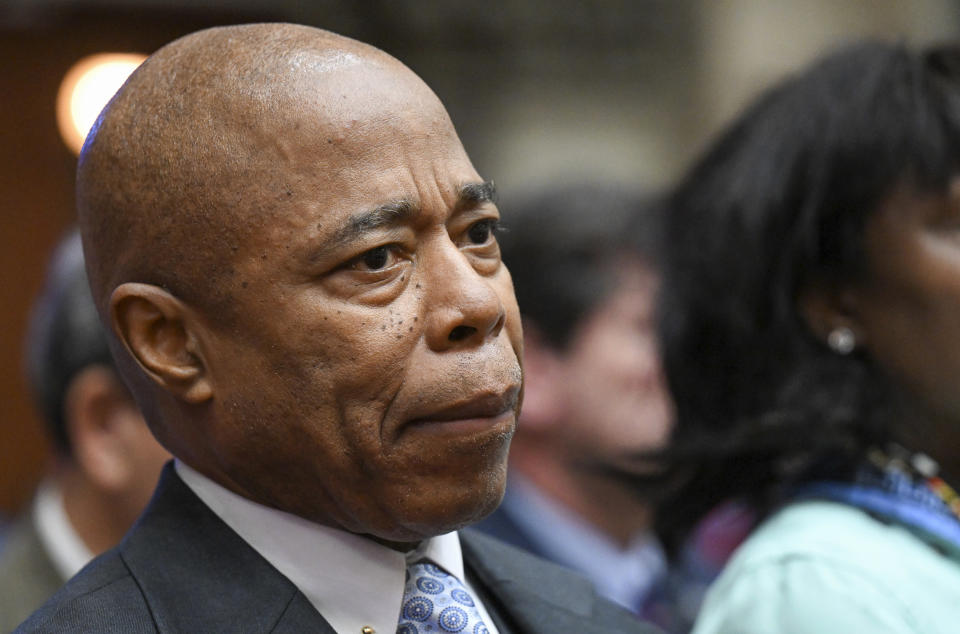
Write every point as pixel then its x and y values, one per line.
pixel 904 502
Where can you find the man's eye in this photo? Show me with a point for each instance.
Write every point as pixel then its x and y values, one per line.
pixel 480 232
pixel 375 259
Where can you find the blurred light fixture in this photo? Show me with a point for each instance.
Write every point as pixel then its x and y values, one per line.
pixel 86 89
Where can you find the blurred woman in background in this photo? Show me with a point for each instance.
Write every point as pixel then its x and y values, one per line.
pixel 811 339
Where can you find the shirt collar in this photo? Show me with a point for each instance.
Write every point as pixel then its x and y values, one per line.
pixel 351 580
pixel 65 548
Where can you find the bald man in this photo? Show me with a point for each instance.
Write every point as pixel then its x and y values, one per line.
pixel 297 262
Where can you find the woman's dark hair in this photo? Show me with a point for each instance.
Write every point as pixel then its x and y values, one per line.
pixel 779 203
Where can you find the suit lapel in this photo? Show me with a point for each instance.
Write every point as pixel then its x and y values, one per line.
pixel 199 576
pixel 299 617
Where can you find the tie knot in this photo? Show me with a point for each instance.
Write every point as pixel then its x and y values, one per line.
pixel 434 602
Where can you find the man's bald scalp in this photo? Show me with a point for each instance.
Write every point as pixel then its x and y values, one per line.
pixel 163 175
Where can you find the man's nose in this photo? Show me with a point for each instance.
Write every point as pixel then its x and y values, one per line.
pixel 463 307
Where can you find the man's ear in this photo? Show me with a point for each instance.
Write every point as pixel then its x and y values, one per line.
pixel 157 330
pixel 827 308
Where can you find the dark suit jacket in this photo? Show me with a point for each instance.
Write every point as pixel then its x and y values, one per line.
pixel 181 569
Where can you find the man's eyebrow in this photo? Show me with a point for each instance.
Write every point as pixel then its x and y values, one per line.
pixel 387 214
pixel 475 193
pixel 468 194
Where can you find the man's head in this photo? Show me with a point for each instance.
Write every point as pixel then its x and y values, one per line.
pixel 102 444
pixel 584 263
pixel 297 259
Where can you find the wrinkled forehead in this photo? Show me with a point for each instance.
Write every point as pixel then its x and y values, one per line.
pixel 353 128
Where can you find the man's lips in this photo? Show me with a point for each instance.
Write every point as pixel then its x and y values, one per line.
pixel 479 411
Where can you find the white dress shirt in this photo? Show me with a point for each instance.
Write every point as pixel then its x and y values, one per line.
pixel 351 580
pixel 66 550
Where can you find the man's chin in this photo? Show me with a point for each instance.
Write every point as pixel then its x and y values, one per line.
pixel 443 515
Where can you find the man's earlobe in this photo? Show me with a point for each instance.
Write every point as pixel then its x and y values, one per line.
pixel 156 329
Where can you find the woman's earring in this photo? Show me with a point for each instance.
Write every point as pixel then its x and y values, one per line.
pixel 842 340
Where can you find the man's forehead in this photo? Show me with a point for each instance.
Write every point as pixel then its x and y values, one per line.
pixel 356 104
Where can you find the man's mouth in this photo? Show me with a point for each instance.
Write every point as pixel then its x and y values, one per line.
pixel 479 412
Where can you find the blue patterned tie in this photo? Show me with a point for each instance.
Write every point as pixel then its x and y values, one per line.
pixel 435 601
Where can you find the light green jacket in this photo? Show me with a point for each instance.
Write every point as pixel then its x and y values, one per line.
pixel 825 568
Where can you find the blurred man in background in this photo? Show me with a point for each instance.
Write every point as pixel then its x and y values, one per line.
pixel 583 263
pixel 105 462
